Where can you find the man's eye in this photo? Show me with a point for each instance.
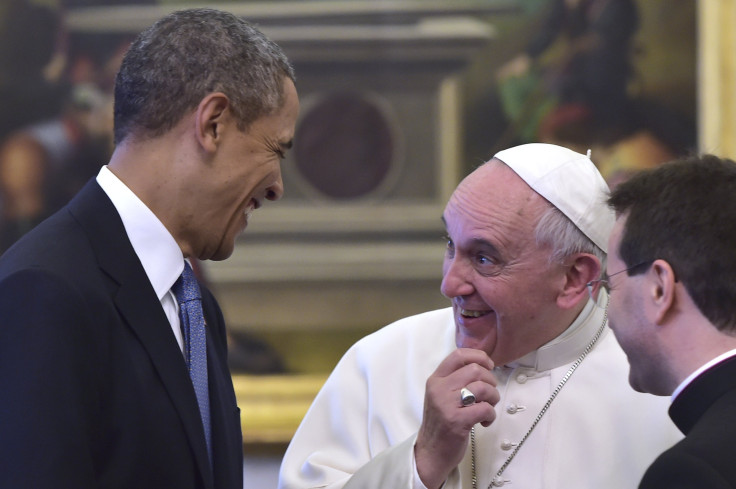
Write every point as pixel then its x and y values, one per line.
pixel 484 260
pixel 449 247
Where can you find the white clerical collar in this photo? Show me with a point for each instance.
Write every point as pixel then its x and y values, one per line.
pixel 568 346
pixel 157 250
pixel 699 371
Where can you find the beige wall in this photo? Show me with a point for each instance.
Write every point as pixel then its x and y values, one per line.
pixel 717 77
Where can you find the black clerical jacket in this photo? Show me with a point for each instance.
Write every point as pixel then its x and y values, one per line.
pixel 705 411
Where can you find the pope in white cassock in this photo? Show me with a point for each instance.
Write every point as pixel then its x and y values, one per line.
pixel 520 383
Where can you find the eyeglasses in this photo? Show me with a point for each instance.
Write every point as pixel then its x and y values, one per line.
pixel 606 280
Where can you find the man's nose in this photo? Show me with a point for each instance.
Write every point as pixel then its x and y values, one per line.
pixel 456 279
pixel 276 190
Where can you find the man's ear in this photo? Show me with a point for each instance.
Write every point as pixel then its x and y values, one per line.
pixel 209 120
pixel 583 268
pixel 660 290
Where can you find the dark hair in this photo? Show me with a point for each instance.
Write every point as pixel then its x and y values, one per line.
pixel 684 212
pixel 188 54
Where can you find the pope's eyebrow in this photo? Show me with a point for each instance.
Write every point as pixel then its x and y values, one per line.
pixel 480 242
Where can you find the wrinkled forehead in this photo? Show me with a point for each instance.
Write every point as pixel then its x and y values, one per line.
pixel 495 195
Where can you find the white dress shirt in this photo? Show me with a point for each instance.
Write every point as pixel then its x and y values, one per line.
pixel 157 250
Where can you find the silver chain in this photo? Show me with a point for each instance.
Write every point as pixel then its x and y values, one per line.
pixel 497 479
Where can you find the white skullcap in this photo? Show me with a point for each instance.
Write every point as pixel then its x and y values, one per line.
pixel 569 181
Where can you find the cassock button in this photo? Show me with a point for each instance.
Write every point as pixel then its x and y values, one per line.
pixel 499 481
pixel 512 408
pixel 521 378
pixel 506 445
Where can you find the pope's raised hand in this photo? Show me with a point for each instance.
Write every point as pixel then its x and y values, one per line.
pixel 446 424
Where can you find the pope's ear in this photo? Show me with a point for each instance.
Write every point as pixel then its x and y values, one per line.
pixel 209 120
pixel 579 270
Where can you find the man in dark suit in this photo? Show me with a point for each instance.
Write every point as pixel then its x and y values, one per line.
pixel 101 360
pixel 671 267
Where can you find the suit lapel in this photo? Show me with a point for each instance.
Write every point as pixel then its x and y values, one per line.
pixel 141 310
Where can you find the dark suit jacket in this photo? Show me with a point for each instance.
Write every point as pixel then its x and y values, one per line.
pixel 94 391
pixel 705 411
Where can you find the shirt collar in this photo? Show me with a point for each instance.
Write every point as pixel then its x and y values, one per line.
pixel 699 371
pixel 568 346
pixel 156 248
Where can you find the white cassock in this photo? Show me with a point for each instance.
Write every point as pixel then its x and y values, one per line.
pixel 598 433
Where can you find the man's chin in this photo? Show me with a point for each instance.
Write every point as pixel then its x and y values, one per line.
pixel 223 251
pixel 222 254
pixel 485 344
pixel 640 386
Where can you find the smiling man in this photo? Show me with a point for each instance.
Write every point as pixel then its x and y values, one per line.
pixel 113 359
pixel 673 309
pixel 520 383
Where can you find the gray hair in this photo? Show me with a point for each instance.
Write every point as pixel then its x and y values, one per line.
pixel 556 230
pixel 174 64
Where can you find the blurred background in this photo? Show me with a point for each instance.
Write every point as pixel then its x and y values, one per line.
pixel 400 100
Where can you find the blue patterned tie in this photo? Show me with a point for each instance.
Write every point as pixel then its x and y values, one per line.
pixel 189 298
